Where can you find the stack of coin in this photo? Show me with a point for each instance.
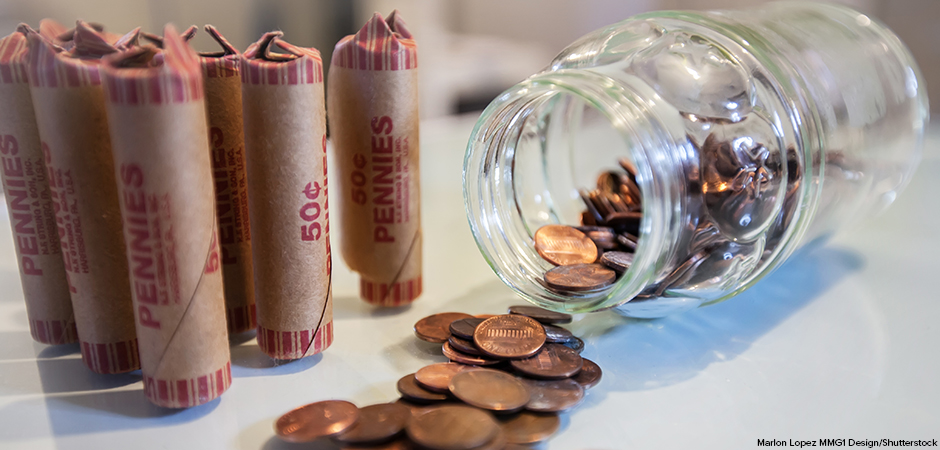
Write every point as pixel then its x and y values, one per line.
pixel 591 256
pixel 509 377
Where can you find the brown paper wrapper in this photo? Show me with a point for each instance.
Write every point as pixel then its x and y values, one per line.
pixel 69 104
pixel 156 110
pixel 32 217
pixel 373 104
pixel 285 147
pixel 227 145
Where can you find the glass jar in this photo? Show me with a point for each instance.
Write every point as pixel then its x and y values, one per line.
pixel 752 133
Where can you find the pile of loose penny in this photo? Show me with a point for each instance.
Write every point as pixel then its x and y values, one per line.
pixel 591 256
pixel 509 377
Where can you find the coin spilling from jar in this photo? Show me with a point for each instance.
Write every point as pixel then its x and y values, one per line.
pixel 508 379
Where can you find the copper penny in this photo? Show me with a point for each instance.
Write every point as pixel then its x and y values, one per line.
pixel 563 245
pixel 589 375
pixel 464 358
pixel 436 377
pixel 553 395
pixel 540 314
pixel 464 346
pixel 557 335
pixel 579 277
pixel 575 343
pixel 409 389
pixel 377 423
pixel 509 336
pixel 490 389
pixel 316 420
pixel 553 362
pixel 464 328
pixel 436 328
pixel 452 427
pixel 529 428
pixel 619 261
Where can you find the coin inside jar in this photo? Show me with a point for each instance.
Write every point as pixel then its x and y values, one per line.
pixel 436 377
pixel 589 375
pixel 619 261
pixel 553 395
pixel 377 423
pixel 579 277
pixel 529 428
pixel 464 328
pixel 436 328
pixel 509 336
pixel 554 361
pixel 452 427
pixel 490 389
pixel 542 315
pixel 563 245
pixel 409 389
pixel 316 420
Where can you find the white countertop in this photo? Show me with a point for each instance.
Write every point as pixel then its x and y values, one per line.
pixel 839 343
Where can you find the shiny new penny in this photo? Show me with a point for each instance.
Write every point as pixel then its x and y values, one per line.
pixel 554 361
pixel 563 245
pixel 490 389
pixel 529 428
pixel 452 427
pixel 589 375
pixel 553 395
pixel 619 261
pixel 463 345
pixel 509 336
pixel 579 277
pixel 436 377
pixel 464 328
pixel 377 423
pixel 463 358
pixel 409 389
pixel 436 328
pixel 542 315
pixel 557 334
pixel 316 420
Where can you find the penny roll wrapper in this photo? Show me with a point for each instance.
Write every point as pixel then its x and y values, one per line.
pixel 285 148
pixel 29 201
pixel 373 104
pixel 227 146
pixel 156 108
pixel 69 104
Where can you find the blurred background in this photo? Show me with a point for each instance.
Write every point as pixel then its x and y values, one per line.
pixel 470 50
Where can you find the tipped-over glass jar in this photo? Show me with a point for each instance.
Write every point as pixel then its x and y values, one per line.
pixel 752 133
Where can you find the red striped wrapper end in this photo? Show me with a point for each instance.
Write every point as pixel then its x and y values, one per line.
pixel 381 44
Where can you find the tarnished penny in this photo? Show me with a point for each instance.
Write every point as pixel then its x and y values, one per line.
pixel 589 375
pixel 579 277
pixel 316 420
pixel 554 361
pixel 557 335
pixel 377 423
pixel 464 346
pixel 563 245
pixel 619 261
pixel 436 377
pixel 490 389
pixel 575 343
pixel 553 395
pixel 509 336
pixel 409 389
pixel 452 427
pixel 464 358
pixel 540 314
pixel 436 328
pixel 464 328
pixel 529 428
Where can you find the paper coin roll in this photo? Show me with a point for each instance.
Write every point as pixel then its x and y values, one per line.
pixel 29 201
pixel 159 132
pixel 69 103
pixel 285 148
pixel 373 105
